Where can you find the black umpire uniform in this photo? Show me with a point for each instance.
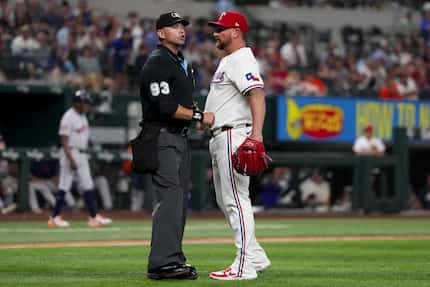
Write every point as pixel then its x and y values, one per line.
pixel 166 82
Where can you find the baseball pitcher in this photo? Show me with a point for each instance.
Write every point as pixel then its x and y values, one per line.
pixel 237 98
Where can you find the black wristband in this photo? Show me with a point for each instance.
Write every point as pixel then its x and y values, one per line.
pixel 197 116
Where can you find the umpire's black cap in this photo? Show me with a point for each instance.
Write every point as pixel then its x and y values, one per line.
pixel 169 19
pixel 82 96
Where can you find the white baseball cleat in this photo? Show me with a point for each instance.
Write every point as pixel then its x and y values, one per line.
pixel 229 274
pixel 57 221
pixel 99 221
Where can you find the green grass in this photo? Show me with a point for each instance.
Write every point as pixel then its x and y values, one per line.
pixel 367 263
pixel 335 263
pixel 129 230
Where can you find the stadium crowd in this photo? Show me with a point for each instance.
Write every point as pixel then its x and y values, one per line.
pixel 57 43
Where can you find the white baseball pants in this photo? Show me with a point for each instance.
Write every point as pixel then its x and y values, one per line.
pixel 232 195
pixel 83 174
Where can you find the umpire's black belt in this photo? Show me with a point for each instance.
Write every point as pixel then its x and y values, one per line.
pixel 216 131
pixel 183 131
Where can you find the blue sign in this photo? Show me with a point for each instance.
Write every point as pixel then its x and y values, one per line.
pixel 343 120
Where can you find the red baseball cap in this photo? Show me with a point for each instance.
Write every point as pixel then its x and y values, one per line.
pixel 231 19
pixel 368 128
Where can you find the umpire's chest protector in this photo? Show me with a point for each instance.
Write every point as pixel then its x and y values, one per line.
pixel 166 81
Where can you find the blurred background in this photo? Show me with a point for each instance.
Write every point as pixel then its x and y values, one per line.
pixel 332 69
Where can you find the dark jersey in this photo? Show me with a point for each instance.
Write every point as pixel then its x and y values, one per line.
pixel 166 82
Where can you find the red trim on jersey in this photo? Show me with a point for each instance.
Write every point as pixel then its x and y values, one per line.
pixel 239 206
pixel 259 85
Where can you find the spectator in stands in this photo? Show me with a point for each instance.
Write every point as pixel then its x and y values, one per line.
pixel 111 28
pixel 406 85
pixel 89 68
pixel 289 196
pixel 7 204
pixel 293 84
pixel 19 14
pixel 388 90
pixel 309 86
pixel 276 76
pixel 53 17
pixel 368 144
pixel 43 181
pixel 120 55
pixel 88 62
pixel 344 203
pixel 83 13
pixel 330 52
pixel 371 73
pixel 313 86
pixel 91 38
pixel 271 189
pixel 353 40
pixel 61 62
pixel 135 29
pixel 6 16
pixel 294 53
pixel 399 55
pixel 315 192
pixel 193 52
pixel 425 21
pixel 66 11
pixel 35 11
pixel 24 44
pixel 64 33
pixel 139 61
pixel 424 194
pixel 151 39
pixel 43 54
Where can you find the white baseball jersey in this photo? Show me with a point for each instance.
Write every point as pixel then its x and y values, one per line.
pixel 364 145
pixel 237 74
pixel 75 127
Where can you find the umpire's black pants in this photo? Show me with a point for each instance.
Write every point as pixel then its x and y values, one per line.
pixel 171 186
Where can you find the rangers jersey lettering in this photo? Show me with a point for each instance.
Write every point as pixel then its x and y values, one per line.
pixel 237 74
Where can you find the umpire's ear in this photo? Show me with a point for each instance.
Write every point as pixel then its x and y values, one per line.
pixel 161 34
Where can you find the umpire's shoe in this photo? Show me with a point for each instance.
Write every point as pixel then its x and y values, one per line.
pixel 173 271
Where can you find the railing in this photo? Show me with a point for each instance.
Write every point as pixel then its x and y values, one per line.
pixel 395 164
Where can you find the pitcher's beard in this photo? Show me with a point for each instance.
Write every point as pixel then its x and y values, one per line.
pixel 220 45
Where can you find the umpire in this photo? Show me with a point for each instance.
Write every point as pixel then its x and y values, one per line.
pixel 166 88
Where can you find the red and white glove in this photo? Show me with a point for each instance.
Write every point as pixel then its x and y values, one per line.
pixel 251 158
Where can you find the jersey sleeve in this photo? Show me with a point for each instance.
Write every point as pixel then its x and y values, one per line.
pixel 158 80
pixel 245 74
pixel 357 147
pixel 65 126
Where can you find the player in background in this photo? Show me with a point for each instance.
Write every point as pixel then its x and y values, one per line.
pixel 368 143
pixel 237 98
pixel 74 132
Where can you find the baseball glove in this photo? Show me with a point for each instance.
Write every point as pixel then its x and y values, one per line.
pixel 251 158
